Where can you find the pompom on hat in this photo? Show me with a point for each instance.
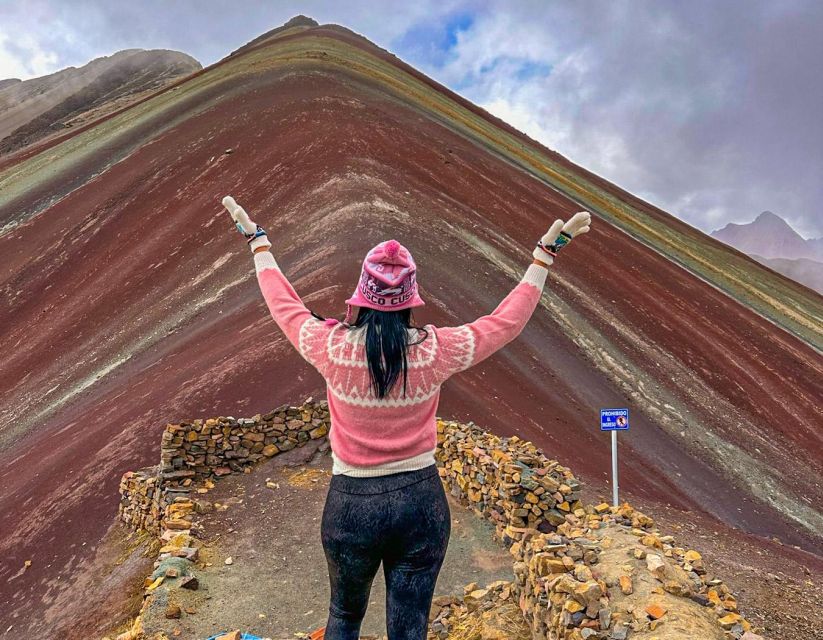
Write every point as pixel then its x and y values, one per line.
pixel 388 281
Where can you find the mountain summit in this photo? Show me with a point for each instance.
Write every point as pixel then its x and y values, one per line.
pixel 770 240
pixel 768 235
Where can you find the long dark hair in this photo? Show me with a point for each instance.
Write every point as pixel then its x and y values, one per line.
pixel 386 345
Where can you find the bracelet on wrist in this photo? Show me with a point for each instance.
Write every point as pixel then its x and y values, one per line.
pixel 561 241
pixel 548 249
pixel 260 231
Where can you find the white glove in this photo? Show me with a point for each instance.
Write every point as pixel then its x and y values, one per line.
pixel 560 234
pixel 254 233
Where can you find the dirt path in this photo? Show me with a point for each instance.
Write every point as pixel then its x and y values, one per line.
pixel 277 583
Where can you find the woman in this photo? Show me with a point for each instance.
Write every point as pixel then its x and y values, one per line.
pixel 386 503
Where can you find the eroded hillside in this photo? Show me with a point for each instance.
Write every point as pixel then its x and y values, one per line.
pixel 128 299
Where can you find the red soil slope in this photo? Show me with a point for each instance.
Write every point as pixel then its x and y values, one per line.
pixel 128 300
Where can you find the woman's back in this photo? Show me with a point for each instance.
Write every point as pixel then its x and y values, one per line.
pixel 370 435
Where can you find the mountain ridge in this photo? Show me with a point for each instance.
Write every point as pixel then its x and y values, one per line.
pixel 33 109
pixel 803 270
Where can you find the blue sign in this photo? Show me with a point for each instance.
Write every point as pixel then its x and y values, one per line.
pixel 614 419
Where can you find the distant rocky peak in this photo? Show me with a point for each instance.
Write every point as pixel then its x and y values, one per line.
pixel 769 236
pixel 773 220
pixel 300 21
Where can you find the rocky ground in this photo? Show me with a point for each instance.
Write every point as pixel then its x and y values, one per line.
pixel 644 596
pixel 260 566
pixel 262 570
pixel 780 587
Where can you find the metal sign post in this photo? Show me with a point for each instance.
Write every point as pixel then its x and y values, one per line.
pixel 614 420
pixel 615 501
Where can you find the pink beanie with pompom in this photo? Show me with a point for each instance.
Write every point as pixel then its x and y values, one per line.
pixel 388 281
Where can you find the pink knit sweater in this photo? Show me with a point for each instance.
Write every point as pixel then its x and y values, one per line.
pixel 372 436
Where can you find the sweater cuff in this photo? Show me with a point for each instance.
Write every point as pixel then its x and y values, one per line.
pixel 265 260
pixel 536 275
pixel 260 241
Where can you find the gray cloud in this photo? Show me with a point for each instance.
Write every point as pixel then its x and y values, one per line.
pixel 710 110
pixel 707 109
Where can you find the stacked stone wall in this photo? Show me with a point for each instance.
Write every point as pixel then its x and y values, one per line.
pixel 140 498
pixel 506 480
pixel 533 502
pixel 199 450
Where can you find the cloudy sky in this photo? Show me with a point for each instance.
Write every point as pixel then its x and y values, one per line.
pixel 710 110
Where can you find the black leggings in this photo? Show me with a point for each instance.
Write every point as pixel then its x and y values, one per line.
pixel 403 520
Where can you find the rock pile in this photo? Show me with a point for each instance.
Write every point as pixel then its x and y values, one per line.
pixel 557 590
pixel 488 613
pixel 507 480
pixel 564 594
pixel 679 572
